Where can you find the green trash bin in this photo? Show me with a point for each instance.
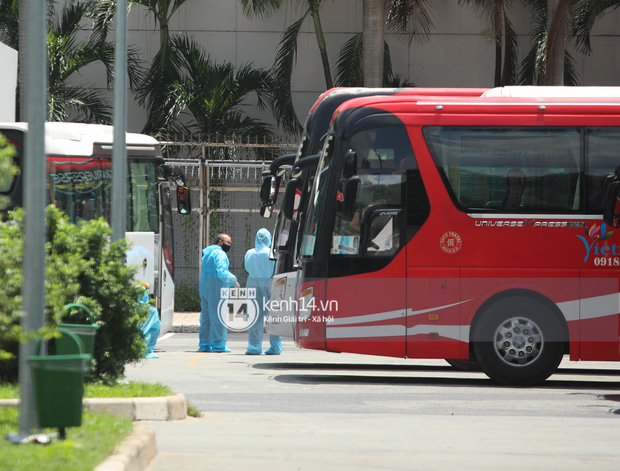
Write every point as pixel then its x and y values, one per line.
pixel 59 384
pixel 59 389
pixel 86 333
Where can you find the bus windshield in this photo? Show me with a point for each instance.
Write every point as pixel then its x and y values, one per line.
pixel 80 186
pixel 316 198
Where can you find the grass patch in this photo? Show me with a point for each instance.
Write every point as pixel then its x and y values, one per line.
pixel 130 389
pixel 85 446
pixel 193 411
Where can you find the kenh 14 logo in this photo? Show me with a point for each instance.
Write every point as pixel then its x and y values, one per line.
pixel 238 308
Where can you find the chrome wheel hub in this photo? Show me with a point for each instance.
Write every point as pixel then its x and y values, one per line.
pixel 518 341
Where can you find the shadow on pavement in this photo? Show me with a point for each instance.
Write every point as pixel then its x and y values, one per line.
pixel 383 380
pixel 351 366
pixel 554 382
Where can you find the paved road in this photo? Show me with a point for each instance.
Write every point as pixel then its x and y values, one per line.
pixel 316 410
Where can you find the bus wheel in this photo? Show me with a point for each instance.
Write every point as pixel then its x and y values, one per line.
pixel 464 365
pixel 518 341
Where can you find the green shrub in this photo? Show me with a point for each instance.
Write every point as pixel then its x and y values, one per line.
pixel 81 266
pixel 186 298
pixel 7 167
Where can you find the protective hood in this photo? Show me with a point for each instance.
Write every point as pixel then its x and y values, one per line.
pixel 263 239
pixel 208 250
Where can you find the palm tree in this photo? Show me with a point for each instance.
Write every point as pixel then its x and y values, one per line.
pixel 349 68
pixel 206 97
pixel 67 55
pixel 287 53
pixel 162 71
pixel 505 38
pixel 9 23
pixel 586 15
pixel 548 62
pixel 287 50
pixel 373 42
pixel 411 19
pixel 556 22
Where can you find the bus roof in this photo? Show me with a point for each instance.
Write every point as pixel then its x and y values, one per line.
pixel 602 100
pixel 553 92
pixel 80 138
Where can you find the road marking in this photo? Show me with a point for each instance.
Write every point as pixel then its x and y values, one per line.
pixel 195 360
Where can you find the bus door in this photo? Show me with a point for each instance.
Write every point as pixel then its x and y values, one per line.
pixel 367 262
pixel 166 264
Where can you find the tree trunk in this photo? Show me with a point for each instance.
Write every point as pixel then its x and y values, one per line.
pixel 556 42
pixel 498 26
pixel 373 42
pixel 320 39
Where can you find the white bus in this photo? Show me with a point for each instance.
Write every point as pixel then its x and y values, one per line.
pixel 79 175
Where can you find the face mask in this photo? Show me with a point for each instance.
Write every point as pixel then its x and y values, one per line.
pixel 225 247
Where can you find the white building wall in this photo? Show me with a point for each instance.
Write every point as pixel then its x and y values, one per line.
pixel 8 82
pixel 457 54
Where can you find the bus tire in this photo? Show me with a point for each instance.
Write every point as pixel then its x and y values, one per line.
pixel 518 341
pixel 464 365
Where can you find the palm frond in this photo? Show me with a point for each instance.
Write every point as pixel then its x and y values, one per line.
pixel 511 48
pixel 349 68
pixel 411 19
pixel 80 104
pixel 254 8
pixel 588 12
pixel 571 76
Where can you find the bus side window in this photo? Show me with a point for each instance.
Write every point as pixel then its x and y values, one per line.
pixel 599 166
pixel 515 185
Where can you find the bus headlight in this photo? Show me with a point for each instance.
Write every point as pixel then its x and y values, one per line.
pixel 306 302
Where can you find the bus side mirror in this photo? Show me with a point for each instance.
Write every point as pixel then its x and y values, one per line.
pixel 350 165
pixel 184 202
pixel 266 210
pixel 269 190
pixel 346 196
pixel 291 202
pixel 611 205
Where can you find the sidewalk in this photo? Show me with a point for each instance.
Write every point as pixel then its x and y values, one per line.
pixel 138 450
pixel 185 322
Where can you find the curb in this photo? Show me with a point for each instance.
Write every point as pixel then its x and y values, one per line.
pixel 134 453
pixel 133 408
pixel 185 329
pixel 141 408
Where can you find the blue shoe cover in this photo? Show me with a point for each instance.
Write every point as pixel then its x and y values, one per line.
pixel 151 355
pixel 204 349
pixel 252 352
pixel 220 350
pixel 271 352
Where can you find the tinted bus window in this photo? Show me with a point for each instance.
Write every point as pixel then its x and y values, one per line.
pixel 603 158
pixel 532 170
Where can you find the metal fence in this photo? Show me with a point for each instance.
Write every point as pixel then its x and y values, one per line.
pixel 225 198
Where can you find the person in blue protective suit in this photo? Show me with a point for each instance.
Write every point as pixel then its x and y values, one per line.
pixel 214 276
pixel 150 329
pixel 260 270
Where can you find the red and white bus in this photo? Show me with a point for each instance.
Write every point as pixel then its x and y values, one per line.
pixel 284 242
pixel 468 229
